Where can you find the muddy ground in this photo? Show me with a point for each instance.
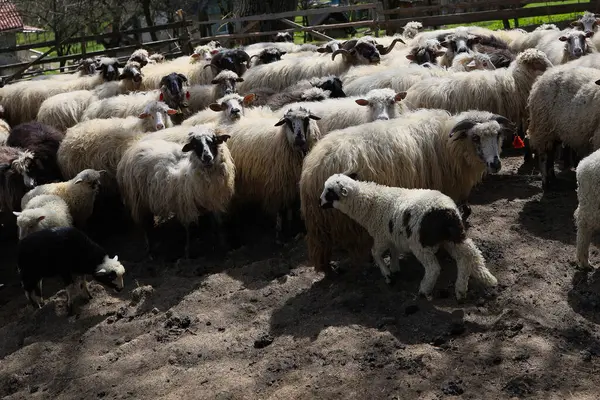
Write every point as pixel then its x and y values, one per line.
pixel 260 323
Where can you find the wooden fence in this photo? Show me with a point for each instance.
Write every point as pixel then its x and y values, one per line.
pixel 380 17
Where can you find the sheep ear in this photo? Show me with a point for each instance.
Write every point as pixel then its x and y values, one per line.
pixel 411 57
pixel 352 175
pixel 17 213
pixel 462 127
pixel 188 147
pixel 116 258
pixel 315 117
pixel 249 99
pixel 282 53
pixel 472 64
pixel 170 111
pixel 344 192
pixel 445 44
pixel 215 107
pixel 563 38
pixel 597 83
pixel 144 115
pixel 78 181
pixel 41 218
pixel 400 96
pixel 321 50
pixel 222 138
pixel 239 79
pixel 280 122
pixel 214 81
pixel 362 102
pixel 100 272
pixel 589 34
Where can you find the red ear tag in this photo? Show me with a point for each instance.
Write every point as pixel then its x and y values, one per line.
pixel 161 97
pixel 518 142
pixel 187 95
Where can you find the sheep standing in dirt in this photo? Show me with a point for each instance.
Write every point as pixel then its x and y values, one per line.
pixel 157 178
pixel 43 141
pixel 420 221
pixel 268 155
pixel 68 253
pixel 64 110
pixel 43 212
pixel 79 193
pixel 587 214
pixel 428 149
pixel 562 92
pixel 501 91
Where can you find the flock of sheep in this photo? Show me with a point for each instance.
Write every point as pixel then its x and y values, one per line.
pixel 392 133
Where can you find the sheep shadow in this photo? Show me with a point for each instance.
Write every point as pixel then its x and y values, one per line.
pixel 508 187
pixel 551 216
pixel 584 295
pixel 360 296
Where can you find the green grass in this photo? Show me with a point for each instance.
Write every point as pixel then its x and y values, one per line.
pixel 26 38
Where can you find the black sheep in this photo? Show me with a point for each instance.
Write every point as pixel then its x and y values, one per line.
pixel 70 254
pixel 43 141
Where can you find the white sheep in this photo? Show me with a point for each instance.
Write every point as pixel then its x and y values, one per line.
pixel 420 221
pixel 100 143
pixel 378 104
pixel 79 193
pixel 285 73
pixel 226 110
pixel 22 100
pixel 561 47
pixel 503 91
pixel 411 29
pixel 587 214
pixel 158 178
pixel 558 98
pixel 201 96
pixel 42 212
pixel 268 154
pixel 471 61
pixel 64 110
pixel 428 149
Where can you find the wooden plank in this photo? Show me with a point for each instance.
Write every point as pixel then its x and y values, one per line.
pixel 462 5
pixel 464 18
pixel 311 31
pixel 89 38
pixel 298 13
pixel 91 54
pixel 303 29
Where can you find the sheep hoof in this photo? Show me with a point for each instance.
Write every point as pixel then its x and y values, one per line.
pixel 390 280
pixel 334 268
pixel 584 266
pixel 461 298
pixel 424 295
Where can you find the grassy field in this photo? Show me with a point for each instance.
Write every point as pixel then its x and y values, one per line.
pixel 26 38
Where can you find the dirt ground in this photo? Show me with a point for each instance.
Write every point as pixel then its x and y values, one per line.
pixel 260 323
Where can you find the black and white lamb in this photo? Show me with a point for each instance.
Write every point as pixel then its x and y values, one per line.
pixel 409 220
pixel 68 253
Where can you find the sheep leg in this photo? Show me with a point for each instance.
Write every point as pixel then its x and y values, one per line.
pixel 461 256
pixel 377 251
pixel 584 239
pixel 147 227
pixel 69 289
pixel 218 227
pixel 432 270
pixel 279 228
pixel 86 288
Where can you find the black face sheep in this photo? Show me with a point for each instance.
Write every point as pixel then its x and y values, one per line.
pixel 157 178
pixel 586 23
pixel 43 141
pixel 419 221
pixel 79 193
pixel 426 53
pixel 42 212
pixel 267 56
pixel 283 37
pixel 15 176
pixel 68 253
pixel 426 149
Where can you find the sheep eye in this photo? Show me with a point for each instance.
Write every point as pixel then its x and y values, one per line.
pixel 476 138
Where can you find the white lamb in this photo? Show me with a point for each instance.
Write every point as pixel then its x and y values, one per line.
pixel 420 221
pixel 42 212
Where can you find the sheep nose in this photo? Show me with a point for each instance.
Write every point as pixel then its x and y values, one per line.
pixel 160 126
pixel 383 118
pixel 235 110
pixel 462 50
pixel 495 165
pixel 578 51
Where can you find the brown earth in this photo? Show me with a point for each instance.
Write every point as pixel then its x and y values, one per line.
pixel 262 324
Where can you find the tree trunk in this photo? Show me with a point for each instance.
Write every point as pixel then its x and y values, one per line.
pixel 148 17
pixel 243 8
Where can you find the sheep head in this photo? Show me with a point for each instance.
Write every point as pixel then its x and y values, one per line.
pixel 90 178
pixel 233 60
pixel 109 68
pixel 428 53
pixel 333 84
pixel 132 71
pixel 298 128
pixel 88 66
pixel 382 103
pixel 283 37
pixel 17 167
pixel 268 55
pixel 587 23
pixel 576 43
pixel 226 82
pixel 357 51
pixel 232 105
pixel 140 56
pixel 171 90
pixel 205 142
pixel 485 131
pixel 330 47
pixel 461 41
pixel 157 113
